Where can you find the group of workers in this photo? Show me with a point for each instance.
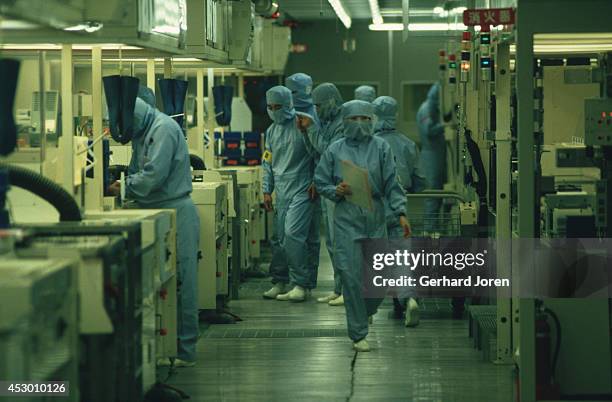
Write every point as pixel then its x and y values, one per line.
pixel 312 135
pixel 312 132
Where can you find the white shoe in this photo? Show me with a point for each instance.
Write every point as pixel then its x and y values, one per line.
pixel 177 363
pixel 274 291
pixel 412 313
pixel 338 301
pixel 164 362
pixel 297 294
pixel 361 346
pixel 328 298
pixel 183 363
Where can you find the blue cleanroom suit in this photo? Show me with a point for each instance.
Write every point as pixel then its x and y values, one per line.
pixel 433 152
pixel 159 176
pixel 300 85
pixel 289 173
pixel 404 150
pixel 365 93
pixel 352 222
pixel 328 100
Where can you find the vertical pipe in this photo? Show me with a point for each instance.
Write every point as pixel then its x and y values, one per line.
pixel 390 62
pixel 97 199
pixel 67 140
pixel 201 122
pixel 241 85
pixel 209 152
pixel 42 61
pixel 151 74
pixel 167 67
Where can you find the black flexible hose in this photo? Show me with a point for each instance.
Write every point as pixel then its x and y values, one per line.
pixel 558 343
pixel 46 189
pixel 197 163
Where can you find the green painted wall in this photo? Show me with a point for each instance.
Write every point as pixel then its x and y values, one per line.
pixel 413 61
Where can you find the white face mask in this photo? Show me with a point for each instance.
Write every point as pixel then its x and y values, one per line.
pixel 280 115
pixel 357 129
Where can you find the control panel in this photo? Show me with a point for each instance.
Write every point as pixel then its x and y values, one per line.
pixel 598 121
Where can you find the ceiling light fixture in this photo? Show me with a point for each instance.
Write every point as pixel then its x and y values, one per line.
pixel 436 27
pixel 422 27
pixel 377 18
pixel 48 46
pixel 442 13
pixel 341 12
pixel 387 27
pixel 88 27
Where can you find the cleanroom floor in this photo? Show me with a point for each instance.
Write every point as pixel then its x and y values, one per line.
pixel 285 351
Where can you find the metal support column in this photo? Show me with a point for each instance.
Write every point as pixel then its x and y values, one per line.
pixel 42 88
pixel 241 86
pixel 67 140
pixel 167 67
pixel 503 223
pixel 390 63
pixel 95 191
pixel 526 199
pixel 151 74
pixel 201 122
pixel 209 152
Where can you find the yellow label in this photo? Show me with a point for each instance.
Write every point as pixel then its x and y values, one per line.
pixel 267 156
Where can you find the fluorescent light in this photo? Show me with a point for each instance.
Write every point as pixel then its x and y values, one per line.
pixel 88 27
pixel 340 12
pixel 387 27
pixel 48 46
pixel 418 27
pixel 392 12
pixel 16 24
pixel 436 27
pixel 441 12
pixel 377 19
pixel 414 12
pixel 568 48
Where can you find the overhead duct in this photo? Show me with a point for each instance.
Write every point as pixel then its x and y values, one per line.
pixel 265 8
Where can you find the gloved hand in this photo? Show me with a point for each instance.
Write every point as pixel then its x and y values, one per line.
pixel 267 202
pixel 312 192
pixel 303 122
pixel 343 189
pixel 114 189
pixel 405 225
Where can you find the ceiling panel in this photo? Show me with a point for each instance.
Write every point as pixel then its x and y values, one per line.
pixel 320 9
pixel 357 9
